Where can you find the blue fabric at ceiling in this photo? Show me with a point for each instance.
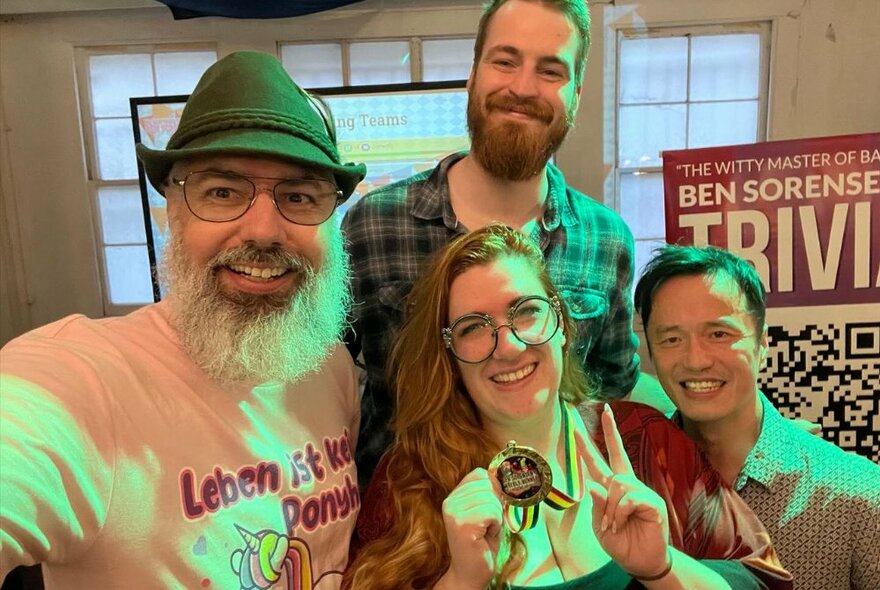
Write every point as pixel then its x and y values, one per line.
pixel 182 9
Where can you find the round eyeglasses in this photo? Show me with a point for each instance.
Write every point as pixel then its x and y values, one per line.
pixel 473 337
pixel 224 196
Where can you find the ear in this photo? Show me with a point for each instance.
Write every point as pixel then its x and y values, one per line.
pixel 763 348
pixel 576 101
pixel 470 81
pixel 647 338
pixel 560 333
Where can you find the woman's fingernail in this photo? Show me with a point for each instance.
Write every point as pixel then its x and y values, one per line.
pixel 604 526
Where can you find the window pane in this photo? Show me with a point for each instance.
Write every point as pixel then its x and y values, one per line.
pixel 116 157
pixel 653 70
pixel 314 65
pixel 725 67
pixel 128 272
pixel 641 204
pixel 178 73
pixel 447 59
pixel 122 215
pixel 380 63
pixel 644 253
pixel 116 78
pixel 645 131
pixel 722 123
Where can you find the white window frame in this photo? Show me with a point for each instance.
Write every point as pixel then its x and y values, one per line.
pixel 90 154
pixel 762 28
pixel 415 51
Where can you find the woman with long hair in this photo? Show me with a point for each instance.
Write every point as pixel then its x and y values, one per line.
pixel 495 480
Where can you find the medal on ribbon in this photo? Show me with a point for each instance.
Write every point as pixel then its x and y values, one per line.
pixel 523 473
pixel 526 480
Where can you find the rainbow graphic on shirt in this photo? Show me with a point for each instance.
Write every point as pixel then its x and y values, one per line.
pixel 260 565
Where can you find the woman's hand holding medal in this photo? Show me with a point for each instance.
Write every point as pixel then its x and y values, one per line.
pixel 629 518
pixel 472 514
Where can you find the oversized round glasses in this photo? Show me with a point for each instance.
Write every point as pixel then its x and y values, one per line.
pixel 473 337
pixel 223 196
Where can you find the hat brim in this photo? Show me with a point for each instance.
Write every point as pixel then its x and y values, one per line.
pixel 256 142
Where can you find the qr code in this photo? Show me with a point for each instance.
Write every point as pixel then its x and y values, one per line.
pixel 828 373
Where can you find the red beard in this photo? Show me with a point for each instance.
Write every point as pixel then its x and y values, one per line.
pixel 512 150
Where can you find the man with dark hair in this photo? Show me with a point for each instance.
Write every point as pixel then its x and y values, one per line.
pixel 206 440
pixel 524 89
pixel 703 310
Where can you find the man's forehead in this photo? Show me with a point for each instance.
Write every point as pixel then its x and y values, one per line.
pixel 500 37
pixel 516 8
pixel 708 298
pixel 724 286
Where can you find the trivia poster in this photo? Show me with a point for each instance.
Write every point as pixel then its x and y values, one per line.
pixel 806 213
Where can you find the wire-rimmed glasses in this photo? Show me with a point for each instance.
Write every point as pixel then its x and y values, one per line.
pixel 473 337
pixel 224 196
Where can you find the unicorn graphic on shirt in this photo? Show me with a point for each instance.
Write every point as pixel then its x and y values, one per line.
pixel 267 555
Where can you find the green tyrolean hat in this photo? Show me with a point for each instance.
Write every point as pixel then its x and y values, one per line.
pixel 247 104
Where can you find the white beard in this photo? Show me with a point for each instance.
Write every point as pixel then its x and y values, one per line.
pixel 258 338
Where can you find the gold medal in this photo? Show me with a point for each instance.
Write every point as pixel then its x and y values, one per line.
pixel 523 473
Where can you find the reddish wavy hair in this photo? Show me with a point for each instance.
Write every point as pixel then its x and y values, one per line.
pixel 438 435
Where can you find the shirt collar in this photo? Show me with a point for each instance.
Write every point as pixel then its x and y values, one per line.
pixel 434 201
pixel 770 456
pixel 558 211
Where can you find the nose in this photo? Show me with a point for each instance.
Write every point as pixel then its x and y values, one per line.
pixel 508 346
pixel 524 83
pixel 263 224
pixel 696 356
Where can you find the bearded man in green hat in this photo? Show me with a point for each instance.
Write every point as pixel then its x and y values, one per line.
pixel 206 440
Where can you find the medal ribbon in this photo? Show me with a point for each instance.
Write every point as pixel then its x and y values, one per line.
pixel 520 519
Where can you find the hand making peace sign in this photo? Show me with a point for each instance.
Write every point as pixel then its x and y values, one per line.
pixel 629 518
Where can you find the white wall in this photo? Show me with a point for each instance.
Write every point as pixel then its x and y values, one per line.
pixel 824 81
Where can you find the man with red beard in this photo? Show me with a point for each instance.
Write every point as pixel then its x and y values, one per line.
pixel 205 440
pixel 524 89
